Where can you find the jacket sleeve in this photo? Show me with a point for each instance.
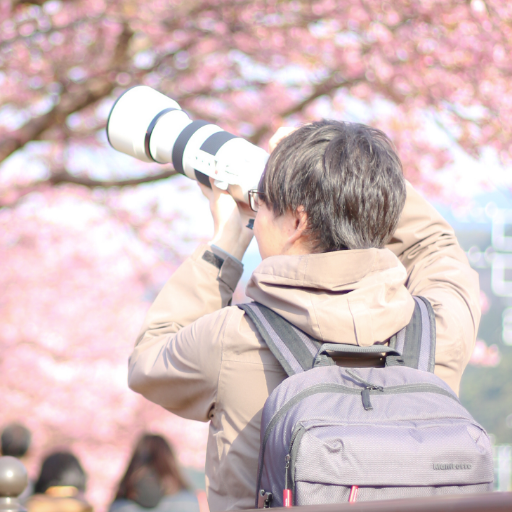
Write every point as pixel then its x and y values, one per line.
pixel 438 270
pixel 177 357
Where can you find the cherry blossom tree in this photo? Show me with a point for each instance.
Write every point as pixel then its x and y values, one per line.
pixel 87 237
pixel 252 66
pixel 69 319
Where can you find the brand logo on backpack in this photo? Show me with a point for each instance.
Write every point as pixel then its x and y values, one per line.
pixel 453 466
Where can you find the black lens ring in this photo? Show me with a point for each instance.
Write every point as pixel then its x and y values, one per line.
pixel 211 145
pixel 203 178
pixel 181 143
pixel 149 131
pixel 215 141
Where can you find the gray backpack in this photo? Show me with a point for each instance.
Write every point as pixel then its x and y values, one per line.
pixel 331 434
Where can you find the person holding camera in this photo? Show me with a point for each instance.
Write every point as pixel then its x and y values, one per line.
pixel 345 243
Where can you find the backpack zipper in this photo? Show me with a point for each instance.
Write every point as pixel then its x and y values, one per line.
pixel 365 393
pixel 353 494
pixel 365 397
pixel 286 471
pixel 339 388
pixel 287 491
pixel 294 448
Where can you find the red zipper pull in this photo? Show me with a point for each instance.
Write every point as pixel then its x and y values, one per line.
pixel 287 498
pixel 353 494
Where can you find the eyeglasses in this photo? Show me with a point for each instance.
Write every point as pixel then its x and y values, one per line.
pixel 256 199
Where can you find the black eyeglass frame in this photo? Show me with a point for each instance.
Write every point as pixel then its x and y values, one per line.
pixel 254 198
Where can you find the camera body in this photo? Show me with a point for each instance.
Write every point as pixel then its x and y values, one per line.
pixel 151 127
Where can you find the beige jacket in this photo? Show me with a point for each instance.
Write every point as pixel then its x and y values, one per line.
pixel 202 359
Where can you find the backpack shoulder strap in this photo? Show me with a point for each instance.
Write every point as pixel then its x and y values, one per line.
pixel 297 352
pixel 294 349
pixel 417 340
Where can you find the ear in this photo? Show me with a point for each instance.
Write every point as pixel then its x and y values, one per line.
pixel 300 225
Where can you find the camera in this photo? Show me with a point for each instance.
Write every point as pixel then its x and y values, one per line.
pixel 152 127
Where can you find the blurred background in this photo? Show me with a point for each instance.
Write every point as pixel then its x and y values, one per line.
pixel 88 236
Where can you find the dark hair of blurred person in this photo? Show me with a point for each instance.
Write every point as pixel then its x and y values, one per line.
pixel 153 480
pixel 15 440
pixel 60 485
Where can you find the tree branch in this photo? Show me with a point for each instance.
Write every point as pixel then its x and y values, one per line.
pixel 37 33
pixel 16 3
pixel 71 101
pixel 63 177
pixel 321 89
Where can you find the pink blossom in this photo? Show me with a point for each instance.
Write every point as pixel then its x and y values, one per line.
pixel 484 355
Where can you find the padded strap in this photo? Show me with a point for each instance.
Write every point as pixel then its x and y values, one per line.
pixel 414 346
pixel 427 359
pixel 293 348
pixel 417 341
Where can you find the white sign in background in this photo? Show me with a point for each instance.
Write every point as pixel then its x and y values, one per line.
pixel 500 263
pixel 498 256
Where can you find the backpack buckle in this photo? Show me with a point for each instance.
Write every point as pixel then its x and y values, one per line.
pixel 264 499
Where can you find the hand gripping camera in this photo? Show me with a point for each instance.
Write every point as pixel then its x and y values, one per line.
pixel 150 126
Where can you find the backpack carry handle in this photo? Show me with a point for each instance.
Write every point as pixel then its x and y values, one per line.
pixel 340 348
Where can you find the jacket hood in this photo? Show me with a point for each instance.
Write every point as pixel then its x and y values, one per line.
pixel 356 296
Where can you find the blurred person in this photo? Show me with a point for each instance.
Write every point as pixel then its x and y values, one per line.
pixel 153 481
pixel 15 441
pixel 345 242
pixel 60 486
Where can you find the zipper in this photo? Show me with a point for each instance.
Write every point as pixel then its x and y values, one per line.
pixel 287 492
pixel 294 448
pixel 353 494
pixel 365 393
pixel 341 389
pixel 287 472
pixel 365 397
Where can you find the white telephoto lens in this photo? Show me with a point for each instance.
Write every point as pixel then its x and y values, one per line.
pixel 192 147
pixel 240 162
pixel 164 135
pixel 148 125
pixel 130 118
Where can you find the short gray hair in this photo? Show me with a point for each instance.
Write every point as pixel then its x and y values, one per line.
pixel 348 178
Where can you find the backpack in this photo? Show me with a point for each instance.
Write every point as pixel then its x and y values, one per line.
pixel 331 434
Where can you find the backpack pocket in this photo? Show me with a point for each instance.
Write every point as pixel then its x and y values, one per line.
pixel 392 460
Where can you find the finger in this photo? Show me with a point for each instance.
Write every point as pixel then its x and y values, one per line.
pixel 245 210
pixel 217 189
pixel 280 134
pixel 207 192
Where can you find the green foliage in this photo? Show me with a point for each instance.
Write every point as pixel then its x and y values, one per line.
pixel 487 391
pixel 487 394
